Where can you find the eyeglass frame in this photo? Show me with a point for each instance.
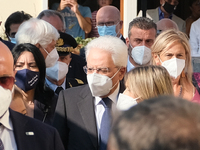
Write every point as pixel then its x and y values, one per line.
pixel 99 70
pixel 109 23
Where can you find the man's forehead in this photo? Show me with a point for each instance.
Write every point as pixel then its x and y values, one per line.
pixel 107 15
pixel 6 60
pixel 104 19
pixel 135 31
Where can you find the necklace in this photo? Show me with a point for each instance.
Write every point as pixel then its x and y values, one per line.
pixel 180 92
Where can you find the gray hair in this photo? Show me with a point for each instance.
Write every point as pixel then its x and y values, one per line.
pixel 141 23
pixel 114 45
pixel 49 13
pixel 36 31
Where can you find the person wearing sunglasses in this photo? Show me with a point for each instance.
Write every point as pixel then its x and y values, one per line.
pixel 29 65
pixel 18 131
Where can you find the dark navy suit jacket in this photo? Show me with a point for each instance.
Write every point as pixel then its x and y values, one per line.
pixel 31 134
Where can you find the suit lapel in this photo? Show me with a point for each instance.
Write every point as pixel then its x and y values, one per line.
pixel 24 135
pixel 86 109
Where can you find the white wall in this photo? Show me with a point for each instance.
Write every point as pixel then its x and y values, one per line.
pixel 130 12
pixel 32 7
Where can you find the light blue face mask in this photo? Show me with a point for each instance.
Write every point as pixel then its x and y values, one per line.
pixel 107 30
pixel 13 40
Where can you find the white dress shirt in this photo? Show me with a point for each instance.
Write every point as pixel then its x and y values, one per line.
pixel 195 38
pixel 99 108
pixel 6 132
pixel 130 66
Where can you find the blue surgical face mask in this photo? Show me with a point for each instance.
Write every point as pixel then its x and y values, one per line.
pixel 107 30
pixel 58 71
pixel 12 40
pixel 27 79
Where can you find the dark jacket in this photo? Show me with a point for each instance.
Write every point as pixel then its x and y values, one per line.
pixel 43 137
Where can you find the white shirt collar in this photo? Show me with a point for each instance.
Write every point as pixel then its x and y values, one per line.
pixel 6 121
pixel 129 65
pixel 112 96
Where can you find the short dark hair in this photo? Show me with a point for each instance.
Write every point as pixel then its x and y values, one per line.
pixel 16 18
pixel 162 123
pixel 141 23
pixel 42 93
pixel 49 13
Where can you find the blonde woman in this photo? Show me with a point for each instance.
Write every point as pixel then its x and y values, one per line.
pixel 142 83
pixel 171 50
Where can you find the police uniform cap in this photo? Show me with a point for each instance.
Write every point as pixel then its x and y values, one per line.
pixel 65 44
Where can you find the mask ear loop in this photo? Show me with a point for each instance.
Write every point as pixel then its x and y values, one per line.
pixel 45 51
pixel 159 59
pixel 113 77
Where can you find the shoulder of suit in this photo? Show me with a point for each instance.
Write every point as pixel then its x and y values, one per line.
pixel 75 89
pixel 31 122
pixel 152 10
pixel 176 18
pixel 149 11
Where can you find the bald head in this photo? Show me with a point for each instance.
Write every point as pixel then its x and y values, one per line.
pixel 6 62
pixel 165 24
pixel 109 15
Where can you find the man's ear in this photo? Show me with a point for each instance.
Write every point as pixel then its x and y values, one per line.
pixel 38 45
pixel 127 42
pixel 122 72
pixel 121 24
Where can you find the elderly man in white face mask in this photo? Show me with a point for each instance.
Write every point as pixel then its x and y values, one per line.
pixel 16 128
pixel 141 35
pixel 41 34
pixel 83 114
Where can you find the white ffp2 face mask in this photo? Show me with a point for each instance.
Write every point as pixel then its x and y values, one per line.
pixel 174 66
pixel 58 71
pixel 100 85
pixel 125 102
pixel 141 54
pixel 51 58
pixel 5 99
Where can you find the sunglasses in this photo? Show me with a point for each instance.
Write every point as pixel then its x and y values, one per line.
pixel 7 82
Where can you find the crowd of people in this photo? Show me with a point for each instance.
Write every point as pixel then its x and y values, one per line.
pixel 134 93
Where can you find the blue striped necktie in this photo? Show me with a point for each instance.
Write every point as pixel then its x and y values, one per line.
pixel 105 123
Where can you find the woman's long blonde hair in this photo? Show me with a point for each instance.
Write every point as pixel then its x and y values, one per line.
pixel 149 81
pixel 165 40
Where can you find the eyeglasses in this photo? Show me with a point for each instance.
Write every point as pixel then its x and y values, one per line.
pixel 7 81
pixel 110 23
pixel 99 70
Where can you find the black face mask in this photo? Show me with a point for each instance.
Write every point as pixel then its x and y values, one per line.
pixel 169 8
